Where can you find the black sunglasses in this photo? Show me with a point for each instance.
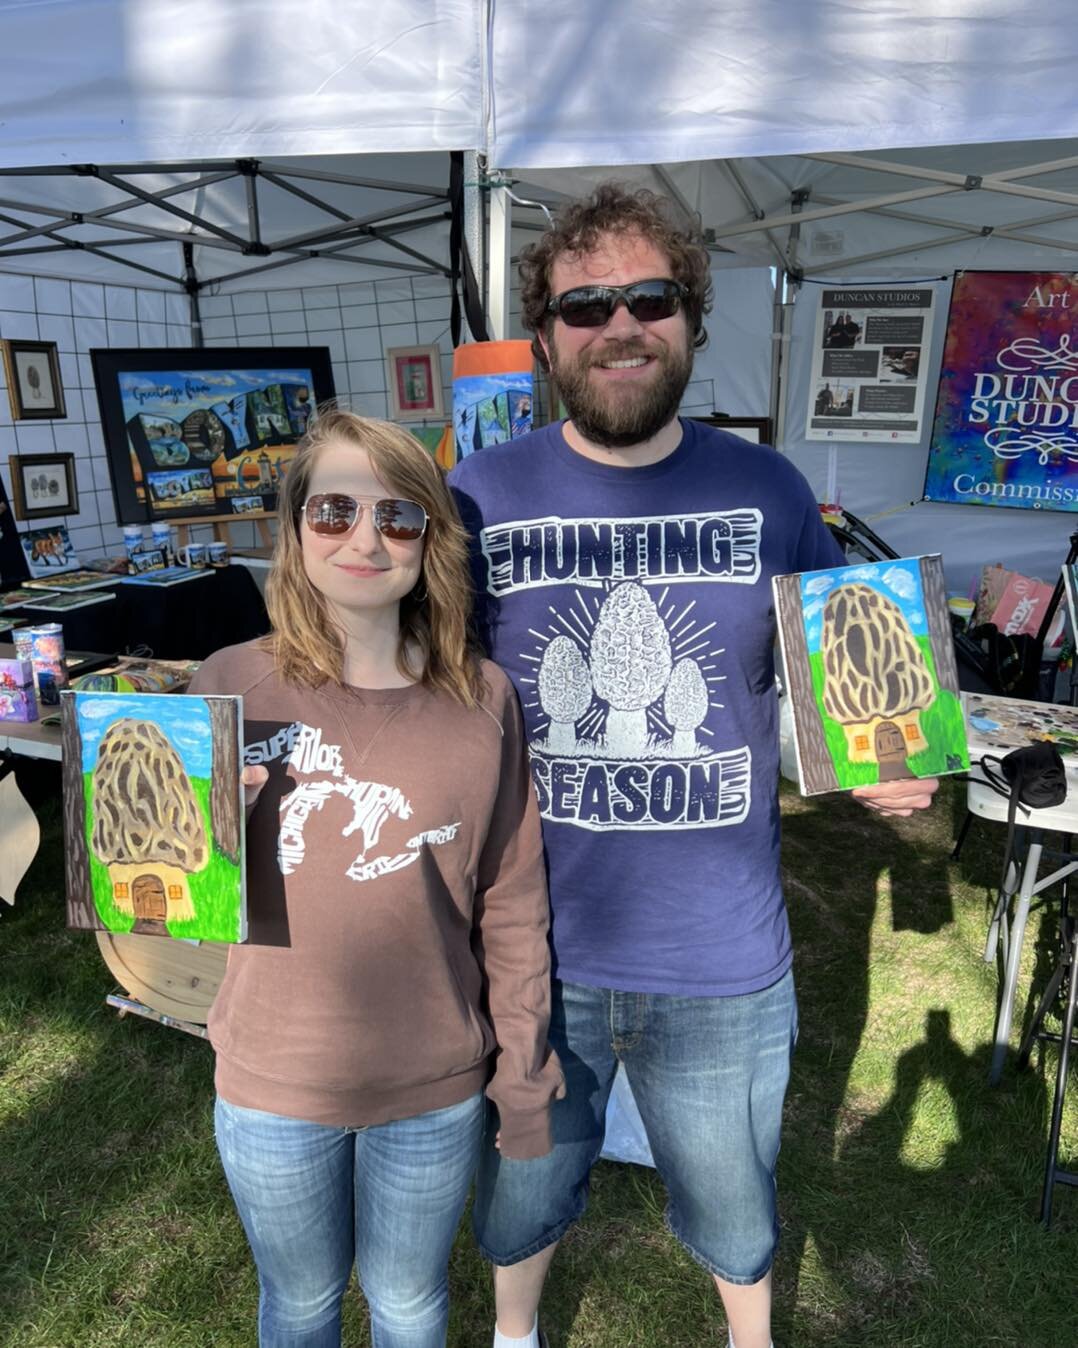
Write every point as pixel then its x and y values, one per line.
pixel 593 306
pixel 333 514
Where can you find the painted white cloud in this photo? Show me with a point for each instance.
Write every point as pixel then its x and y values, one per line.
pixel 862 573
pixel 819 584
pixel 900 580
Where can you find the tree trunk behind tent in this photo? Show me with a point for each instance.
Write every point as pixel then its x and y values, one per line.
pixel 81 911
pixel 813 755
pixel 224 788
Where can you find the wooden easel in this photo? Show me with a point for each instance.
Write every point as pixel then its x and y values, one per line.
pixel 222 527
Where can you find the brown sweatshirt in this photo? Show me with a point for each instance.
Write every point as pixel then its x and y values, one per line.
pixel 397 959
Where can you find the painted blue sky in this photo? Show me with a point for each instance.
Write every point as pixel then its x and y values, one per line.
pixel 175 393
pixel 899 581
pixel 184 719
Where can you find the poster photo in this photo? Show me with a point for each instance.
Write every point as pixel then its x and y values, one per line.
pixel 1006 426
pixel 870 673
pixel 153 814
pixel 870 362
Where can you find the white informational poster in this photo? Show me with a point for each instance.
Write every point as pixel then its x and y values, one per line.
pixel 870 363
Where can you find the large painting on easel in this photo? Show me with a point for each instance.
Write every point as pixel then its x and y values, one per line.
pixel 871 673
pixel 153 814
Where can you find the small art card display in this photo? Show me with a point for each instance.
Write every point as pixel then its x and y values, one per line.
pixel 70 581
pixel 16 598
pixel 871 674
pixel 18 701
pixel 53 601
pixel 153 814
pixel 48 551
pixel 493 393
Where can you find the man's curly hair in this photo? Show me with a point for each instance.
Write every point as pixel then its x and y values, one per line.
pixel 579 227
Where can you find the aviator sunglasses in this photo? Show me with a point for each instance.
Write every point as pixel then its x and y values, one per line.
pixel 334 514
pixel 593 306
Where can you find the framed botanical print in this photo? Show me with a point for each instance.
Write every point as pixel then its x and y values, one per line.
pixel 32 372
pixel 414 381
pixel 43 485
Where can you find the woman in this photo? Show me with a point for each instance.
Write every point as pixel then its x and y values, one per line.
pixel 397 962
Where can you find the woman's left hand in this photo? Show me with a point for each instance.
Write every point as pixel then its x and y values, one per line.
pixel 898 798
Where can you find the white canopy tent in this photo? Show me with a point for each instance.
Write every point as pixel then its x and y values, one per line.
pixel 180 137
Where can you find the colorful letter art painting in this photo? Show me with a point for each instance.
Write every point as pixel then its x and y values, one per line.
pixel 153 814
pixel 871 673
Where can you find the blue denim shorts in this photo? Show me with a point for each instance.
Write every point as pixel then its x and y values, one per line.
pixel 709 1076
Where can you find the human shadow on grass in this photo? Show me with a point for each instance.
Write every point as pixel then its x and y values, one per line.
pixel 838 860
pixel 844 1178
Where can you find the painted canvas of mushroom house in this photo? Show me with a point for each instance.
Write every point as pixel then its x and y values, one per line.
pixel 153 814
pixel 870 672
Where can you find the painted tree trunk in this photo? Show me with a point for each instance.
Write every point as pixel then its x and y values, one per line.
pixel 224 795
pixel 81 911
pixel 813 756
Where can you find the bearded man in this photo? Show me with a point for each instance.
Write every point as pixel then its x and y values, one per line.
pixel 623 565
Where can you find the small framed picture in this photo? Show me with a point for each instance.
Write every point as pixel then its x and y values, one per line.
pixel 32 372
pixel 414 380
pixel 43 485
pixel 757 430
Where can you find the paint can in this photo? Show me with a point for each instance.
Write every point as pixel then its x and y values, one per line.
pixel 47 658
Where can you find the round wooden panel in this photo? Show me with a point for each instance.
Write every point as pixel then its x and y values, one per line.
pixel 172 977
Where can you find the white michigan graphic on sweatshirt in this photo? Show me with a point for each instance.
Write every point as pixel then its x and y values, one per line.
pixel 373 803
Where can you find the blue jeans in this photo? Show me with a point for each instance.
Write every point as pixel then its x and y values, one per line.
pixel 709 1076
pixel 314 1200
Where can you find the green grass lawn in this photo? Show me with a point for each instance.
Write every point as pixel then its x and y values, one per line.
pixel 909 1187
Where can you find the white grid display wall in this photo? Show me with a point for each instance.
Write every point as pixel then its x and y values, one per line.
pixel 356 322
pixel 79 317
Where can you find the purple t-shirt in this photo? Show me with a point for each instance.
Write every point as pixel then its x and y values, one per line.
pixel 632 609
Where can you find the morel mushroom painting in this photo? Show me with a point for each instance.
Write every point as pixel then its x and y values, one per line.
pixel 871 673
pixel 153 814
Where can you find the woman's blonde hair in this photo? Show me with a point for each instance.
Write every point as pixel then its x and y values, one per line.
pixel 434 617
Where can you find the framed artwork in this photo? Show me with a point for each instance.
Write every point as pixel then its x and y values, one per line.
pixel 43 485
pixel 32 372
pixel 205 432
pixel 757 430
pixel 870 673
pixel 414 382
pixel 153 814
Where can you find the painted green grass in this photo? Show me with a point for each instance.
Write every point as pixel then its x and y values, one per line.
pixel 215 890
pixel 909 1188
pixel 942 725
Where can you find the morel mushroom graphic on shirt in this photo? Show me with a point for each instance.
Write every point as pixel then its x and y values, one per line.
pixel 870 673
pixel 153 821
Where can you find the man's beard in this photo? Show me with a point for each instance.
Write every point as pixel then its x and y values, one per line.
pixel 621 415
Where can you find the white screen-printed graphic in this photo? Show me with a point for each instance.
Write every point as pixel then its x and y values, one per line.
pixel 374 804
pixel 719 545
pixel 623 686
